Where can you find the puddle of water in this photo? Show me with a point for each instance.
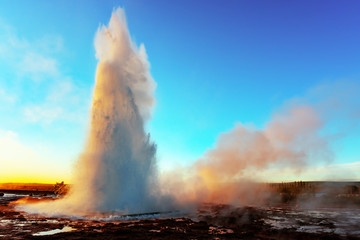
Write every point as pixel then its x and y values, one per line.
pixel 338 221
pixel 135 217
pixel 219 230
pixel 4 222
pixel 54 231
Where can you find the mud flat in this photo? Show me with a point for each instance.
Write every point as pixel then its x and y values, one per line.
pixel 210 222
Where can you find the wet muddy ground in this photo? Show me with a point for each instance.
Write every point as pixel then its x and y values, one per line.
pixel 211 222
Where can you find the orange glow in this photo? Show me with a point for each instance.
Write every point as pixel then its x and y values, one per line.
pixel 209 178
pixel 31 178
pixel 226 173
pixel 30 200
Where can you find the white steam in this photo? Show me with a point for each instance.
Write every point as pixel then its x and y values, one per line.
pixel 116 172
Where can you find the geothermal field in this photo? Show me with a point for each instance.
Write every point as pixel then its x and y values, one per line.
pixel 118 192
pixel 330 215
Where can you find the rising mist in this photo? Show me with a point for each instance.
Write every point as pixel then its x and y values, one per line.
pixel 116 171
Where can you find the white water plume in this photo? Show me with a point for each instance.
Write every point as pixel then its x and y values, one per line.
pixel 116 171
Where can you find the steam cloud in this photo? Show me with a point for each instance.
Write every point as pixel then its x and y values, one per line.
pixel 296 137
pixel 229 172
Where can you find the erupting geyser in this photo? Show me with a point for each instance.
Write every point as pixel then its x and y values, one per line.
pixel 116 171
pixel 117 168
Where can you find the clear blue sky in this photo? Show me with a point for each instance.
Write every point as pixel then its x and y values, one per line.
pixel 215 62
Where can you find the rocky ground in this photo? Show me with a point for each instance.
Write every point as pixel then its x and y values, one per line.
pixel 211 222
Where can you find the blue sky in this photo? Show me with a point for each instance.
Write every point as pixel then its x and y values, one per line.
pixel 215 63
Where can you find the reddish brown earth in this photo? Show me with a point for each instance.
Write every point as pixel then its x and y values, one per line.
pixel 211 222
pixel 27 187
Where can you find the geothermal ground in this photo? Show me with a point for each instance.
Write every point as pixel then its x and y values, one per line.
pixel 210 222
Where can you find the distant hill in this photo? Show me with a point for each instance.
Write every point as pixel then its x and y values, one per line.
pixel 27 186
